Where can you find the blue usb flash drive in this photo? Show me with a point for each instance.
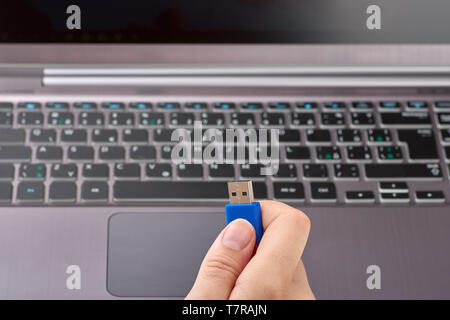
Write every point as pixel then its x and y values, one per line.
pixel 242 206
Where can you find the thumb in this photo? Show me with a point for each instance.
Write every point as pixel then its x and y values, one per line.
pixel 224 262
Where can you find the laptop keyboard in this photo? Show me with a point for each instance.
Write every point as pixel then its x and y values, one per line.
pixel 94 152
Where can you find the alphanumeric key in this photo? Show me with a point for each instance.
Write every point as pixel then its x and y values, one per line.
pixel 334 105
pixel 359 153
pixel 74 136
pixel 60 118
pixel 17 153
pixel 85 105
pixel 272 119
pixel 346 171
pixel 196 105
pixel 251 170
pixel 169 106
pixel 237 154
pixel 47 136
pixel 64 171
pixel 5 192
pixel 288 190
pixel 421 143
pixel 242 119
pixel 127 170
pixel 135 135
pixel 323 191
pixel 57 105
pixel 141 106
pixel 95 171
pixel 328 153
pixel 348 135
pixel 63 191
pixel 151 119
pixel 444 118
pixel 30 119
pixel 221 170
pixel 158 170
pixel 142 152
pixel 362 118
pixel 121 119
pixel 94 191
pixel 113 105
pixel 212 119
pixel 30 191
pixel 80 153
pixel 181 119
pixel 29 105
pixel 379 135
pixel 289 135
pixel 111 153
pixel 166 152
pixel 50 153
pixel 445 135
pixel 223 106
pixel 318 135
pixel 333 118
pixel 302 119
pixel 315 171
pixel 91 119
pixel 298 153
pixel 104 136
pixel 190 170
pixel 163 135
pixel 6 171
pixel 32 171
pixel 8 136
pixel 6 118
pixel 286 171
pixel 279 105
pixel 390 153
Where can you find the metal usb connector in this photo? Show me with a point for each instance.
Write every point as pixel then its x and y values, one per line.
pixel 240 192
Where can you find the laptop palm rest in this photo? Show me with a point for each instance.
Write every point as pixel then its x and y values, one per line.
pixel 158 254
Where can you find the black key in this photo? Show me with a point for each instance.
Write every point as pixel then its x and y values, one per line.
pixel 47 136
pixel 393 185
pixel 390 105
pixel 127 170
pixel 289 135
pixel 95 171
pixel 121 119
pixel 362 118
pixel 74 135
pixel 288 190
pixel 158 170
pixel 30 119
pixel 212 119
pixel 29 105
pixel 403 196
pixel 169 106
pixel 60 119
pixel 379 135
pixel 57 105
pixel 445 135
pixel 80 153
pixel 362 105
pixel 141 106
pixel 94 191
pixel 104 136
pixel 32 171
pixel 6 171
pixel 444 118
pixel 5 192
pixel 49 153
pixel 405 118
pixel 390 153
pixel 346 171
pixel 348 136
pixel 170 190
pixel 6 118
pixel 6 105
pixel 360 195
pixel 166 152
pixel 430 195
pixel 298 153
pixel 12 136
pixel 224 106
pixel 447 152
pixel 417 105
pixel 135 135
pixel 328 153
pixel 443 104
pixel 85 105
pixel 286 171
pixel 307 105
pixel 272 119
pixel 421 143
pixel 334 105
pixel 63 191
pixel 18 153
pixel 151 119
pixel 91 119
pixel 315 171
pixel 113 105
pixel 64 171
pixel 111 153
pixel 251 170
pixel 318 135
pixel 407 171
pixel 323 191
pixel 333 118
pixel 190 170
pixel 221 170
pixel 142 152
pixel 251 106
pixel 196 105
pixel 302 119
pixel 31 191
pixel 359 153
pixel 242 119
pixel 181 119
pixel 163 135
pixel 279 105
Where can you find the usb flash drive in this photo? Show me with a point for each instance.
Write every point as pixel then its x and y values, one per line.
pixel 242 206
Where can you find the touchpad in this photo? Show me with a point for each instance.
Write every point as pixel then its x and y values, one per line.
pixel 158 254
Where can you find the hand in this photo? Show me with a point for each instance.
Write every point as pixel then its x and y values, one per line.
pixel 275 271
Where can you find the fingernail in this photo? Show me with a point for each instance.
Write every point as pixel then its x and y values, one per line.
pixel 237 235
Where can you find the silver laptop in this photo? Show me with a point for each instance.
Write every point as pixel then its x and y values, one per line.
pixel 92 206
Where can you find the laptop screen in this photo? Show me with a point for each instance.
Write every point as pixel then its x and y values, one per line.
pixel 225 21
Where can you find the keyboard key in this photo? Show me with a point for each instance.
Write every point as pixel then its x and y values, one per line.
pixel 288 190
pixel 60 119
pixel 85 105
pixel 360 196
pixel 421 143
pixel 30 191
pixel 159 170
pixel 443 104
pixel 302 119
pixel 348 136
pixel 127 170
pixel 362 118
pixel 104 136
pixel 224 106
pixel 170 190
pixel 94 191
pixel 417 105
pixel 289 135
pixel 272 119
pixel 444 118
pixel 395 196
pixel 346 171
pixel 251 106
pixel 135 135
pixel 80 153
pixel 190 170
pixel 251 170
pixel 334 105
pixel 406 171
pixel 221 171
pixel 57 105
pixel 91 119
pixel 95 171
pixel 318 135
pixel 113 106
pixel 18 153
pixel 151 119
pixel 111 153
pixel 323 191
pixel 435 196
pixel 405 118
pixel 6 119
pixel 298 153
pixel 32 171
pixel 307 105
pixel 6 105
pixel 196 105
pixel 242 119
pixel 379 135
pixel 169 106
pixel 390 105
pixel 166 152
pixel 64 171
pixel 279 105
pixel 286 171
pixel 47 136
pixel 362 105
pixel 49 153
pixel 332 118
pixel 328 153
pixel 140 106
pixel 12 136
pixel 447 152
pixel 5 192
pixel 163 135
pixel 315 171
pixel 30 119
pixel 121 119
pixel 181 119
pixel 74 136
pixel 6 171
pixel 212 119
pixel 391 186
pixel 29 105
pixel 143 153
pixel 445 135
pixel 390 153
pixel 359 153
pixel 63 191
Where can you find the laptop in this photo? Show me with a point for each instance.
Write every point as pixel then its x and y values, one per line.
pixel 92 205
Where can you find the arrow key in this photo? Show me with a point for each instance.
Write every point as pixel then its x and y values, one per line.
pixel 64 171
